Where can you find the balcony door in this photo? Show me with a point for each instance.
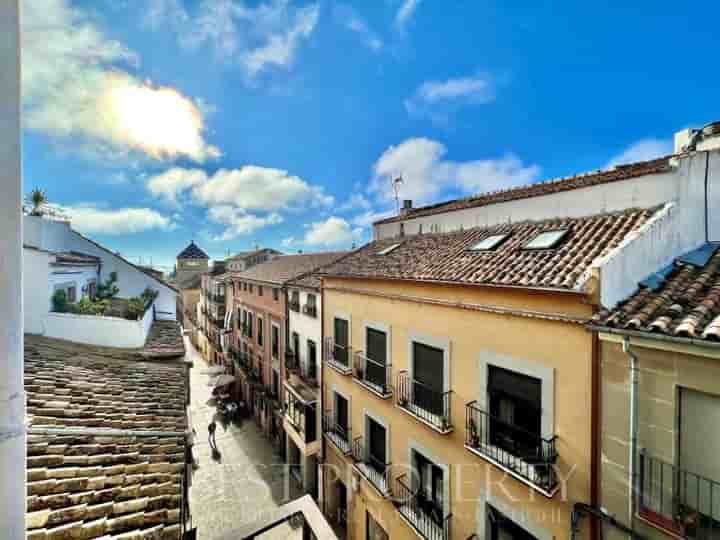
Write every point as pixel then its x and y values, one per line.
pixel 341 341
pixel 296 344
pixel 377 451
pixel 699 451
pixel 376 344
pixel 341 416
pixel 430 487
pixel 428 377
pixel 501 527
pixel 311 359
pixel 515 410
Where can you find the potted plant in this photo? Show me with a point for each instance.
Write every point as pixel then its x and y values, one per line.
pixel 474 438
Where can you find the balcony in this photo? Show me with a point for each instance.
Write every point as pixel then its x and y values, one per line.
pixel 373 375
pixel 678 501
pixel 245 330
pixel 302 417
pixel 339 435
pixel 338 357
pixel 310 310
pixel 425 516
pixel 308 372
pixel 292 363
pixel 424 403
pixel 374 470
pixel 523 454
pixel 216 298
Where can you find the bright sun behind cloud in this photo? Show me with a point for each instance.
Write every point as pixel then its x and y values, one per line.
pixel 158 120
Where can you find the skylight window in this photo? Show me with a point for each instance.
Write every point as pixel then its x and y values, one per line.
pixel 491 242
pixel 546 240
pixel 388 249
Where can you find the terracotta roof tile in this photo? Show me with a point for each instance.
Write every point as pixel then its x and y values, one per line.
pixel 686 304
pixel 621 172
pixel 114 484
pixel 284 268
pixel 447 257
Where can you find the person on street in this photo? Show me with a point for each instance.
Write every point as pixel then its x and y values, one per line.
pixel 211 435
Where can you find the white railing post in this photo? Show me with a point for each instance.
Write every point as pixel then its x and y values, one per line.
pixel 12 397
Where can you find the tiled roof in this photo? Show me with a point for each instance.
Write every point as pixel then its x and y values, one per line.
pixel 192 251
pixel 621 172
pixel 106 448
pixel 681 301
pixel 284 268
pixel 75 257
pixel 447 257
pixel 164 341
pixel 245 254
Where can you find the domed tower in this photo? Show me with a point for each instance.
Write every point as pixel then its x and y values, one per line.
pixel 191 261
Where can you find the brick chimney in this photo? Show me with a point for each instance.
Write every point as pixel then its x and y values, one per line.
pixel 406 207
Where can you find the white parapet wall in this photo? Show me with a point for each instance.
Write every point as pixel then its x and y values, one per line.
pixel 99 330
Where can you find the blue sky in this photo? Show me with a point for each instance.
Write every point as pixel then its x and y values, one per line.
pixel 282 123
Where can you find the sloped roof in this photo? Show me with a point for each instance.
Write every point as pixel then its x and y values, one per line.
pixel 75 257
pixel 620 172
pixel 106 447
pixel 283 268
pixel 447 257
pixel 246 254
pixel 681 300
pixel 192 251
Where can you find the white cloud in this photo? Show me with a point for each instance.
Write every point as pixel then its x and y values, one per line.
pixel 349 18
pixel 76 84
pixel 238 222
pixel 357 201
pixel 91 219
pixel 437 99
pixel 169 184
pixel 406 11
pixel 288 242
pixel 643 150
pixel 425 174
pixel 366 219
pixel 258 37
pixel 259 188
pixel 333 232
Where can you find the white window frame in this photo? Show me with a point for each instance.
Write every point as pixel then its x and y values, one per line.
pixel 524 367
pixel 430 341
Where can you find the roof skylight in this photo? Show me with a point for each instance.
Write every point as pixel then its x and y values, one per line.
pixel 546 240
pixel 491 242
pixel 388 249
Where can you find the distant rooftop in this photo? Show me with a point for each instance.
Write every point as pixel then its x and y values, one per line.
pixel 284 268
pixel 192 251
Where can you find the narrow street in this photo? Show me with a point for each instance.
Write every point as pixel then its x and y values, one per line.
pixel 246 482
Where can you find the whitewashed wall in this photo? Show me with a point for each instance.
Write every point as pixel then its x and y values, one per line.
pixel 36 289
pixel 98 330
pixel 79 275
pixel 307 327
pixel 58 236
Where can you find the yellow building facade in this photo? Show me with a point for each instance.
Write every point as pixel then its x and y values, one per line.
pixel 477 480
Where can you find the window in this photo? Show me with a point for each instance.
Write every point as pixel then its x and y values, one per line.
pixel 260 331
pixel 340 354
pixel 311 359
pixel 388 249
pixel 376 448
pixel 276 294
pixel 92 289
pixel 546 240
pixel 489 243
pixel 501 527
pixel 311 300
pixel 342 414
pixel 376 343
pixel 402 229
pixel 428 377
pixel 250 325
pixel 72 293
pixel 250 288
pixel 275 341
pixel 514 403
pixel 260 290
pixel 430 487
pixel 295 300
pixel 244 286
pixel 296 343
pixel 374 530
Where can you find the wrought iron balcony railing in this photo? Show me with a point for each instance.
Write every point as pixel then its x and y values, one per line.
pixel 376 471
pixel 521 453
pixel 309 310
pixel 338 356
pixel 426 516
pixel 424 403
pixel 308 372
pixel 677 500
pixel 339 435
pixel 302 417
pixel 373 375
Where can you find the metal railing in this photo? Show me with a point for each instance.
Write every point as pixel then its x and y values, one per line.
pixel 216 298
pixel 424 402
pixel 338 355
pixel 376 471
pixel 292 362
pixel 372 374
pixel 302 418
pixel 517 450
pixel 308 372
pixel 309 310
pixel 339 435
pixel 681 501
pixel 425 515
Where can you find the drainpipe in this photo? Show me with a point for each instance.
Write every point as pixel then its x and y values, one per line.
pixel 633 473
pixel 12 397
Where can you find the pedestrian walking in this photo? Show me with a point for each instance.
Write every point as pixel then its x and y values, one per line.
pixel 211 435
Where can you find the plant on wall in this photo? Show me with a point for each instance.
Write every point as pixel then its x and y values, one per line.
pixel 59 301
pixel 109 289
pixel 37 199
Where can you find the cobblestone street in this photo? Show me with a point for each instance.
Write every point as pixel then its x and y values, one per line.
pixel 246 483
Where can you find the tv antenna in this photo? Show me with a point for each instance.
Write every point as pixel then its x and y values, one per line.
pixel 396 188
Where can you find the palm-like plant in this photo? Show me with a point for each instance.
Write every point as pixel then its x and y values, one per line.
pixel 37 199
